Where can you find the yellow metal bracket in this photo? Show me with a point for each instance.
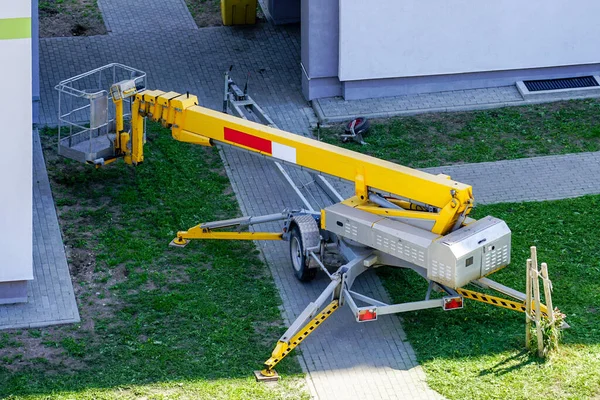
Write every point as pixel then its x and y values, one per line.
pixel 498 301
pixel 282 349
pixel 198 233
pixel 361 189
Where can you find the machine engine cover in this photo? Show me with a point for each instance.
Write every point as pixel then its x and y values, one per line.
pixel 470 252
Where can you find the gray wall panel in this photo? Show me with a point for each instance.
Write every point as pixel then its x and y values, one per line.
pixel 353 90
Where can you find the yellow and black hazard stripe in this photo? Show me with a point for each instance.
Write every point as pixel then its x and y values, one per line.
pixel 498 301
pixel 282 349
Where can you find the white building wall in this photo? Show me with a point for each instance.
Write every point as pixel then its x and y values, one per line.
pixel 405 38
pixel 16 263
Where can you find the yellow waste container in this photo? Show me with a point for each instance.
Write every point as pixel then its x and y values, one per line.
pixel 238 12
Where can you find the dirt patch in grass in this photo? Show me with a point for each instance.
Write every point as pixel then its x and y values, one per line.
pixel 205 12
pixel 60 18
pixel 35 351
pixel 82 263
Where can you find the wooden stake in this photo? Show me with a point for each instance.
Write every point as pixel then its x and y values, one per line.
pixel 547 292
pixel 528 304
pixel 536 300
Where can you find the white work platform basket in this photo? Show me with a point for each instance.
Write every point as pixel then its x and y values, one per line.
pixel 86 112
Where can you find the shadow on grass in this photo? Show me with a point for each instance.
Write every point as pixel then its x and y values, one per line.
pixel 524 358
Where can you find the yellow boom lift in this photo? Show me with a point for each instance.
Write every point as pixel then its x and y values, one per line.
pixel 397 217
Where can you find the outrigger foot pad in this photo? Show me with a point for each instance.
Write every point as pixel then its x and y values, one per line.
pixel 266 376
pixel 178 242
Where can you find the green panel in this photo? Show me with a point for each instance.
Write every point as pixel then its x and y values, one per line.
pixel 15 28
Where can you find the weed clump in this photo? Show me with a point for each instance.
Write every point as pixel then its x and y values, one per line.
pixel 551 334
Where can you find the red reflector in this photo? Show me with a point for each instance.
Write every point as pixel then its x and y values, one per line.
pixel 451 303
pixel 367 315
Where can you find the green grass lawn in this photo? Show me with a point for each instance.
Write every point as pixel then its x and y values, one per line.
pixel 478 352
pixel 157 321
pixel 430 140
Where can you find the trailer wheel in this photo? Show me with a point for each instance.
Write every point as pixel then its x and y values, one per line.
pixel 298 257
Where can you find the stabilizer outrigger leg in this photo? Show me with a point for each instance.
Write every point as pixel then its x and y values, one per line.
pixel 341 280
pixel 207 230
pixel 299 331
pixel 179 242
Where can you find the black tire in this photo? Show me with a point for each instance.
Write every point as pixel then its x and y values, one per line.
pixel 360 128
pixel 298 257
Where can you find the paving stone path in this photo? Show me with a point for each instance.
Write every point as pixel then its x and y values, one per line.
pixel 529 179
pixel 130 16
pixel 342 359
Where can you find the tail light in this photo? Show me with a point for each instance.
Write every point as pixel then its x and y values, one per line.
pixel 452 303
pixel 367 315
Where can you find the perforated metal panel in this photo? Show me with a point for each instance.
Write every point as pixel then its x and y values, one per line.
pixel 441 272
pixel 392 237
pixel 494 257
pixel 309 231
pixel 470 252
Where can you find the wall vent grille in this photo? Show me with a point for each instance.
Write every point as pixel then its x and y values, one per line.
pixel 565 83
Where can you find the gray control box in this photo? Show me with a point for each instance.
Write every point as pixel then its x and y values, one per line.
pixel 469 253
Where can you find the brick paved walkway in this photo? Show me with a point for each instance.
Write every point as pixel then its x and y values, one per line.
pixel 51 300
pixel 343 359
pixel 130 16
pixel 529 179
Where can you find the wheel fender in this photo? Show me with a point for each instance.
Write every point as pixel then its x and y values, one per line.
pixel 309 230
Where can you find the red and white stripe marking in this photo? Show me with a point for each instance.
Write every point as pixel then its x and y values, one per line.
pixel 274 149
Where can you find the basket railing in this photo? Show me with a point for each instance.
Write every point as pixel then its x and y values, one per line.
pixel 86 112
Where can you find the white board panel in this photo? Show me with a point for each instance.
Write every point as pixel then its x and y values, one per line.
pixel 15 162
pixel 15 8
pixel 400 38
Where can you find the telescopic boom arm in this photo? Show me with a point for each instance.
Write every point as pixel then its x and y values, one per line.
pixel 439 199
